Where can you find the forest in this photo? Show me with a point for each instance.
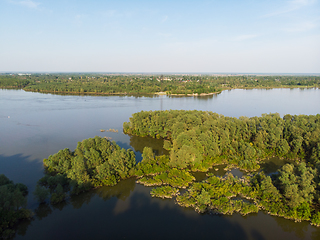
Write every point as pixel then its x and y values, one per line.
pixel 199 139
pixel 109 84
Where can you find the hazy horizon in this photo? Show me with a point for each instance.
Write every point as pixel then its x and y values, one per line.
pixel 166 73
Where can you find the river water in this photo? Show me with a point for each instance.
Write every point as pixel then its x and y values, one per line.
pixel 34 126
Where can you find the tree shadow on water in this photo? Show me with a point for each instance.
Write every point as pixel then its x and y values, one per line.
pixel 121 191
pixel 138 143
pixel 148 220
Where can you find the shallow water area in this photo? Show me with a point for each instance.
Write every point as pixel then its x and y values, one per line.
pixel 271 165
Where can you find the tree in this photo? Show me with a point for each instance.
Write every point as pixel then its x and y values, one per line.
pixel 147 154
pixel 41 193
pixel 297 184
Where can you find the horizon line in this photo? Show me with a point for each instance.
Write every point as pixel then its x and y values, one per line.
pixel 155 73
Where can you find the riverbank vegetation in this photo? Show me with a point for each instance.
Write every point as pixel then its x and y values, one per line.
pixel 184 84
pixel 13 201
pixel 95 162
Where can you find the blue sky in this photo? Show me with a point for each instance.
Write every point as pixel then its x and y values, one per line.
pixel 261 36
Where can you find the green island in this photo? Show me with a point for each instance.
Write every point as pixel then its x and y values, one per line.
pixel 197 141
pixel 95 162
pixel 132 84
pixel 13 201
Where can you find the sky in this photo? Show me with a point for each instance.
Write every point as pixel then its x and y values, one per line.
pixel 234 36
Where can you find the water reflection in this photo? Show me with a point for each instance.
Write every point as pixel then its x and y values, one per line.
pixel 42 211
pixel 121 191
pixel 300 230
pixel 129 204
pixel 220 171
pixel 138 143
pixel 315 235
pixel 271 165
pixel 236 172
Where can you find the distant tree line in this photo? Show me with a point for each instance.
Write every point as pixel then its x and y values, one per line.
pixel 148 84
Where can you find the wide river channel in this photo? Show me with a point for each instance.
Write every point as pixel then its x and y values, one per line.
pixel 34 126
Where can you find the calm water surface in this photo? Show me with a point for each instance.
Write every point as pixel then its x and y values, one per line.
pixel 34 126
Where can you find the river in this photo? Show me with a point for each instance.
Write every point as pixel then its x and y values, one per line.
pixel 34 126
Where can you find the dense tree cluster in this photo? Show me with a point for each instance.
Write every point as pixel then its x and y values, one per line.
pixel 199 139
pixel 9 82
pixel 148 84
pixel 155 171
pixel 292 193
pixel 95 162
pixel 12 205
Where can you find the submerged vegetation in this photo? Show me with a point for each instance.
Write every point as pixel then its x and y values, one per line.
pixel 192 84
pixel 13 201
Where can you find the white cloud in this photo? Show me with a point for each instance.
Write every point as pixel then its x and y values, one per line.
pixel 165 18
pixel 26 3
pixel 291 6
pixel 78 19
pixel 29 4
pixel 302 2
pixel 245 37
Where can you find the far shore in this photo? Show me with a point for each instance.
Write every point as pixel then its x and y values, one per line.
pixel 157 93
